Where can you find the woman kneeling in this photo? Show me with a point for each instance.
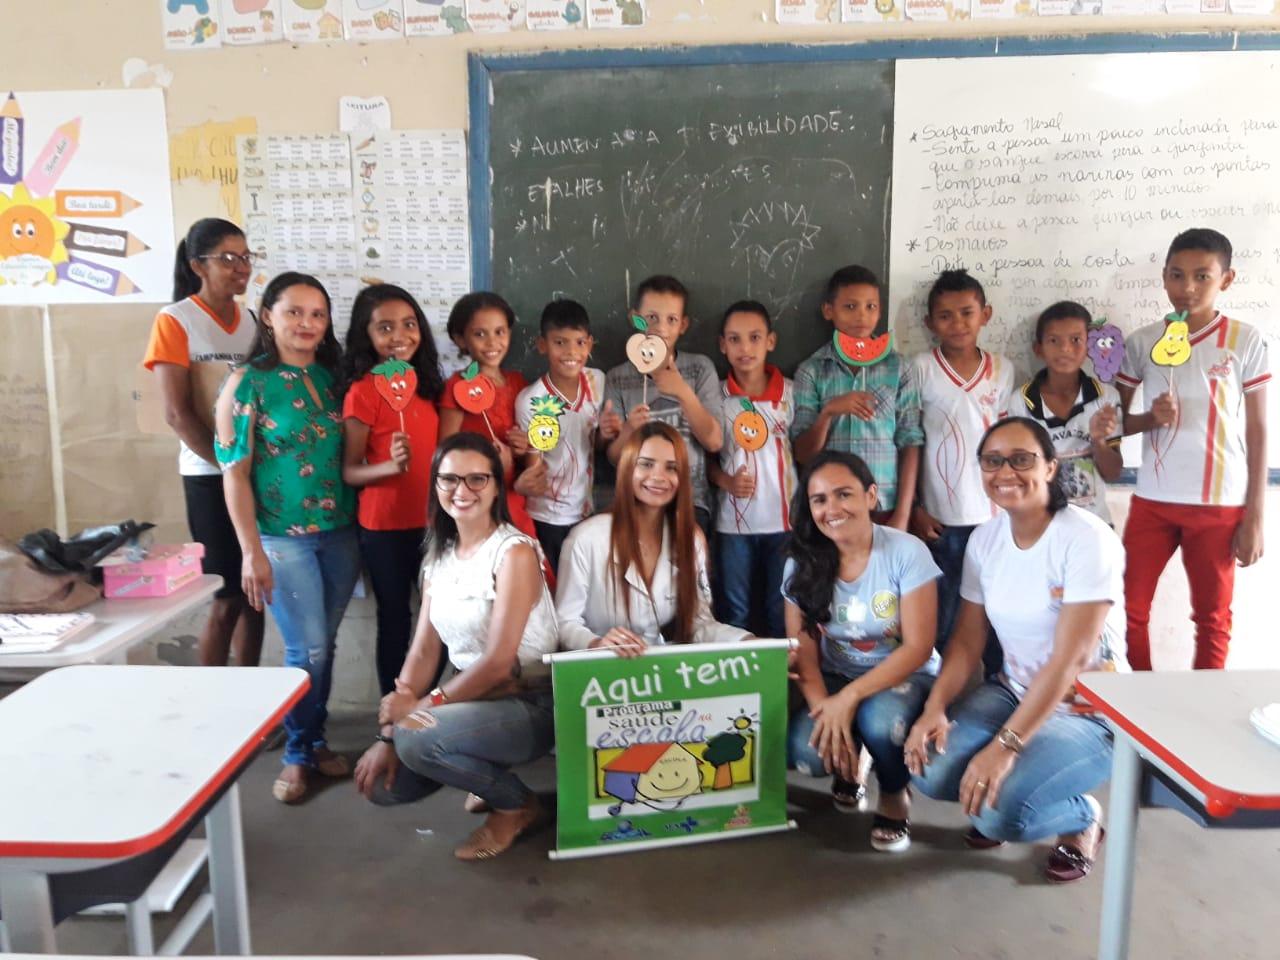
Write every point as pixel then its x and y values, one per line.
pixel 484 599
pixel 862 601
pixel 1019 752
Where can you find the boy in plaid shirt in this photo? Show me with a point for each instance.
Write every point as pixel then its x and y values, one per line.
pixel 873 411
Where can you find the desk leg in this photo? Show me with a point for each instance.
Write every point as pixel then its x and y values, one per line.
pixel 28 912
pixel 1122 829
pixel 226 876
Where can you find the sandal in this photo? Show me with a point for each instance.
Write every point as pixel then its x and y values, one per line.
pixel 896 834
pixel 1067 862
pixel 483 844
pixel 289 791
pixel 476 804
pixel 330 764
pixel 848 796
pixel 975 839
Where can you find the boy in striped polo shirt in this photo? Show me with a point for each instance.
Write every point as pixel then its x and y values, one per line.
pixel 1204 442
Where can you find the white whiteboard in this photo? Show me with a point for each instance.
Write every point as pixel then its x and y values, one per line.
pixel 1066 177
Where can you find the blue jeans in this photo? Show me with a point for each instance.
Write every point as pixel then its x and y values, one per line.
pixel 314 575
pixel 1043 795
pixel 948 554
pixel 472 746
pixel 881 725
pixel 750 565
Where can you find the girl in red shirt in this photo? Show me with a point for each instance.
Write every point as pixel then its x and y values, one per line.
pixel 387 454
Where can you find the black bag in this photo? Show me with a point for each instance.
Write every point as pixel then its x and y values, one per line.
pixel 82 552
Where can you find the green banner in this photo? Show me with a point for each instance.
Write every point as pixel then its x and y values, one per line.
pixel 681 745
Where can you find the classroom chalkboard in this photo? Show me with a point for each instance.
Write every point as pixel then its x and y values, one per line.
pixel 745 180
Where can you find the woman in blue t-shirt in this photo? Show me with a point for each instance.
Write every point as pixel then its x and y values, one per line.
pixel 862 602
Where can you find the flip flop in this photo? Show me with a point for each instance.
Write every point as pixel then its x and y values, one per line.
pixel 289 791
pixel 334 765
pixel 975 839
pixel 484 845
pixel 899 834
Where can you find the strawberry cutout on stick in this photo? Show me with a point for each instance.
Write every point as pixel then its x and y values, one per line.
pixel 475 393
pixel 396 382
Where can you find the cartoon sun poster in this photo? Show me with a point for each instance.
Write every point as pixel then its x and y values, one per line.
pixel 85 209
pixel 679 745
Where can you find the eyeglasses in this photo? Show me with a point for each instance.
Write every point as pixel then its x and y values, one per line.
pixel 229 259
pixel 1020 460
pixel 448 482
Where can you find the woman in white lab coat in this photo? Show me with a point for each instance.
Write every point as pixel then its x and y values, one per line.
pixel 637 576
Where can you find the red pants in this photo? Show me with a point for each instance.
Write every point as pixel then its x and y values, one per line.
pixel 1151 534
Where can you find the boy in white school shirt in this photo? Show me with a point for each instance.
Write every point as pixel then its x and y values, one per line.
pixel 963 390
pixel 558 482
pixel 1204 441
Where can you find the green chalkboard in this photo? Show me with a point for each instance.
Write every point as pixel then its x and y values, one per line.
pixel 744 180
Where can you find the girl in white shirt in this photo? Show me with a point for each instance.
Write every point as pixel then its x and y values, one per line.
pixel 1020 752
pixel 637 576
pixel 484 599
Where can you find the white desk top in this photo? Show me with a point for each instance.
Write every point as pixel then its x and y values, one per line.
pixel 105 762
pixel 120 623
pixel 1197 722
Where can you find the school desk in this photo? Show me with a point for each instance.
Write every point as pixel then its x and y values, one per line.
pixel 107 764
pixel 118 625
pixel 1183 740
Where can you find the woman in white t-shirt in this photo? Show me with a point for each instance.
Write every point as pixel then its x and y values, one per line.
pixel 862 601
pixel 636 576
pixel 1021 752
pixel 485 601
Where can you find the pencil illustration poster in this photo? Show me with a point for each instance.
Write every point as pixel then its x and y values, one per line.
pixel 85 209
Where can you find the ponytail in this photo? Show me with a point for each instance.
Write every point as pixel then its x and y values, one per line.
pixel 200 240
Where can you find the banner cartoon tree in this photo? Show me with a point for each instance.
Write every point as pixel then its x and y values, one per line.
pixel 722 750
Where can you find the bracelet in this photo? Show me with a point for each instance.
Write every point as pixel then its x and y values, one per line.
pixel 437 697
pixel 383 738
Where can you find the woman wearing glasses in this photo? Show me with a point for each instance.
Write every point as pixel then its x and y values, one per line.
pixel 1020 752
pixel 279 441
pixel 193 342
pixel 637 576
pixel 486 607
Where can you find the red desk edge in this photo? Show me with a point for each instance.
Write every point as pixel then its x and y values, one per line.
pixel 120 849
pixel 1219 802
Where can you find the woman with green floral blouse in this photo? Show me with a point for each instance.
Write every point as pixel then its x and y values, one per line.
pixel 279 425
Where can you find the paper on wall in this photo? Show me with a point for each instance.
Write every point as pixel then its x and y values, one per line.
pixel 373 19
pixel 357 114
pixel 248 22
pixel 1125 8
pixel 434 18
pixel 554 15
pixel 1255 7
pixel 610 14
pixel 993 9
pixel 807 11
pixel 311 21
pixel 1213 6
pixel 871 11
pixel 1065 8
pixel 191 24
pixel 935 11
pixel 495 16
pixel 207 153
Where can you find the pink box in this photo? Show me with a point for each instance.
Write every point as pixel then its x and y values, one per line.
pixel 167 567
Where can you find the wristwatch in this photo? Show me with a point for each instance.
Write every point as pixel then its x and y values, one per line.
pixel 1008 739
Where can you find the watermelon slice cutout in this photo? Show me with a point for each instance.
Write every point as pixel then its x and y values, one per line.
pixel 862 351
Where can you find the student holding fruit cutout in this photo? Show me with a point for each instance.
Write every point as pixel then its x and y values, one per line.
pixel 389 430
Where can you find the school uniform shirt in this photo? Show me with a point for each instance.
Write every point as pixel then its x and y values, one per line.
pixel 398 502
pixel 955 413
pixel 772 467
pixel 866 613
pixel 895 426
pixel 462 594
pixel 571 462
pixel 1201 459
pixel 1078 559
pixel 625 386
pixel 1084 487
pixel 189 332
pixel 589 603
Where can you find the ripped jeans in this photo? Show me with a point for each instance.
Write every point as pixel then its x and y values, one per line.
pixel 881 725
pixel 313 576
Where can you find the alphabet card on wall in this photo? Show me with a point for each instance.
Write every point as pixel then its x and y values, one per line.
pixel 610 14
pixel 249 22
pixel 554 15
pixel 191 24
pixel 311 21
pixel 807 11
pixel 434 18
pixel 85 210
pixel 871 11
pixel 373 19
pixel 495 16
